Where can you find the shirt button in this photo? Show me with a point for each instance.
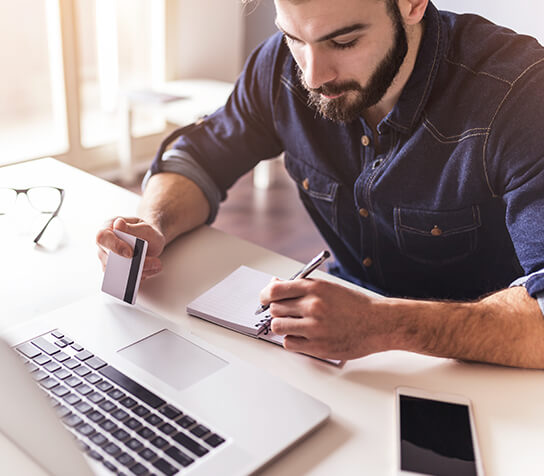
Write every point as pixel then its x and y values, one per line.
pixel 436 231
pixel 363 212
pixel 376 163
pixel 306 184
pixel 365 140
pixel 367 262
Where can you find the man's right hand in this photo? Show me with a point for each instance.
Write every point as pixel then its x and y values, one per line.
pixel 106 240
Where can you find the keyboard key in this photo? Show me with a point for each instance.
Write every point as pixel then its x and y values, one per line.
pixel 93 379
pixel 112 449
pixel 95 416
pixel 141 411
pixel 85 429
pixel 134 444
pixel 99 439
pixel 60 343
pixel 128 402
pixel 147 454
pixel 73 381
pixel 77 347
pixel 57 334
pixel 40 375
pixel 170 411
pixel 61 356
pixel 84 389
pixel 95 455
pixel 60 391
pixel 45 345
pixel 214 440
pixel 111 467
pixel 138 469
pixel 125 459
pixel 109 426
pixel 116 394
pixel 133 424
pixel 95 363
pixel 66 340
pixel 96 397
pixel 179 456
pixel 119 414
pixel 31 366
pixel 200 431
pixel 83 407
pixel 28 350
pixel 42 359
pixel 72 399
pixel 190 444
pixel 146 433
pixel 167 429
pixel 82 371
pixel 72 363
pixel 159 442
pixel 62 411
pixel 120 434
pixel 108 406
pixel 52 366
pixel 132 387
pixel 186 421
pixel 84 355
pixel 72 420
pixel 154 419
pixel 104 386
pixel 63 373
pixel 49 383
pixel 165 467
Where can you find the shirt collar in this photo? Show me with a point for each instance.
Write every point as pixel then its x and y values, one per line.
pixel 406 113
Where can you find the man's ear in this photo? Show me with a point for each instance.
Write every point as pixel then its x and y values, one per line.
pixel 412 11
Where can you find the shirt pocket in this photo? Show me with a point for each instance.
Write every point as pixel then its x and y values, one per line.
pixel 437 237
pixel 317 190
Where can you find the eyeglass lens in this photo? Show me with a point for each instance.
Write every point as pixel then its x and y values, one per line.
pixel 42 199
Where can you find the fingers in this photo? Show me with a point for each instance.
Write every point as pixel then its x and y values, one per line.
pixel 106 239
pixel 278 290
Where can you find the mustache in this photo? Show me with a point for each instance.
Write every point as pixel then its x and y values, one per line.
pixel 332 89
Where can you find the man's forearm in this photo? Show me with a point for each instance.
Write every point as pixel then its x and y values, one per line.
pixel 505 328
pixel 173 204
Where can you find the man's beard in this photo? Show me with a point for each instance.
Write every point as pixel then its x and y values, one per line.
pixel 355 98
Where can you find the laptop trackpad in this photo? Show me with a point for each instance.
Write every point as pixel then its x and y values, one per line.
pixel 173 359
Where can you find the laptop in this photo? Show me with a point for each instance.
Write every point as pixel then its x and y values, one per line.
pixel 102 387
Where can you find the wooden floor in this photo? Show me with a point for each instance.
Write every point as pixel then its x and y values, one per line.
pixel 273 218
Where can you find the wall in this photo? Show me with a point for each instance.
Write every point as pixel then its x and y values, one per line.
pixel 523 16
pixel 205 39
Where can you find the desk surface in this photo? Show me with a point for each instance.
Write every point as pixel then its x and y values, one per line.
pixel 360 436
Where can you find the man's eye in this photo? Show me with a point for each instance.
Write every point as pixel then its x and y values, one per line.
pixel 344 44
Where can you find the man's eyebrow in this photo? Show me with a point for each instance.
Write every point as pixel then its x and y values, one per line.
pixel 329 36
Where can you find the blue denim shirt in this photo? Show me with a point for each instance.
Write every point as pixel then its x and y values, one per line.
pixel 451 205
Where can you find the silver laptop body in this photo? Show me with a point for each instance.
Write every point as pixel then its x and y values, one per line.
pixel 209 412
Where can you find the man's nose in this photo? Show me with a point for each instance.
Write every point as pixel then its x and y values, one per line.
pixel 317 68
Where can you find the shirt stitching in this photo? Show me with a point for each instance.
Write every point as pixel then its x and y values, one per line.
pixel 484 151
pixel 477 131
pixel 478 73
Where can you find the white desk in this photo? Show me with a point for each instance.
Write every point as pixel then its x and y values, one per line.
pixel 360 437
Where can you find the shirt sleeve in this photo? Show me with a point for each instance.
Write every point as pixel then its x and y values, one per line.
pixel 514 163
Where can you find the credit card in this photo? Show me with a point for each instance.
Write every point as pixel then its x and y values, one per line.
pixel 122 275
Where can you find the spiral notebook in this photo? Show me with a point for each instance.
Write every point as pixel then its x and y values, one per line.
pixel 231 303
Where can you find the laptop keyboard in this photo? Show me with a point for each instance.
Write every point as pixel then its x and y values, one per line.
pixel 116 421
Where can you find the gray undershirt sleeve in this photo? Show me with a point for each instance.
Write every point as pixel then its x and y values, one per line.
pixel 180 162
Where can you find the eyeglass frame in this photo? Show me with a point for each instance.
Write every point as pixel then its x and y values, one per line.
pixel 53 214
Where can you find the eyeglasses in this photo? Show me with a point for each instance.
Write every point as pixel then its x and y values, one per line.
pixel 43 199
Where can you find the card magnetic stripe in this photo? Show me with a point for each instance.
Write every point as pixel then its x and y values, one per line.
pixel 133 273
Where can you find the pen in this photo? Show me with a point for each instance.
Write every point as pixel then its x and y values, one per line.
pixel 305 271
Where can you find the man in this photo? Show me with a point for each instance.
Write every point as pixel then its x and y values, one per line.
pixel 413 137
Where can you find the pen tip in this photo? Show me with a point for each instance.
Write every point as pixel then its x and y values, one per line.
pixel 326 254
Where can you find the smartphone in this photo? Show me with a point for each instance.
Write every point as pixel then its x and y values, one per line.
pixel 436 434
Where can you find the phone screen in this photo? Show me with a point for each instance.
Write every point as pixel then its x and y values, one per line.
pixel 435 437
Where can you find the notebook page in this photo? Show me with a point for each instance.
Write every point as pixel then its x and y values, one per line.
pixel 232 302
